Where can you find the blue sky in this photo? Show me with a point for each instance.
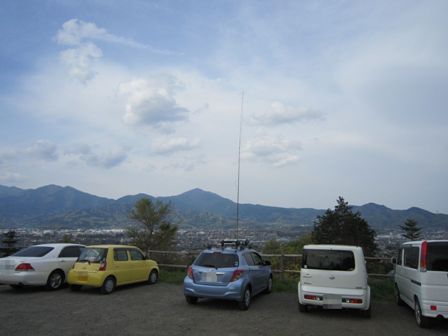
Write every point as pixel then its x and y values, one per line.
pixel 340 98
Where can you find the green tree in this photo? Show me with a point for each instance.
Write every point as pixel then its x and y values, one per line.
pixel 411 230
pixel 9 242
pixel 342 226
pixel 155 230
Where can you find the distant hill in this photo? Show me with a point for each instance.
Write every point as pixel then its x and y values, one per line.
pixel 54 206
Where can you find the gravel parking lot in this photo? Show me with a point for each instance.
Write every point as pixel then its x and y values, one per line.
pixel 161 310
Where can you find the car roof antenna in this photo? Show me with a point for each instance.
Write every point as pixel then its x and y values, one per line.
pixel 239 169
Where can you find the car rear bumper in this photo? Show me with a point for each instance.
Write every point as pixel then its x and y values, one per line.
pixel 231 291
pixel 93 279
pixel 31 278
pixel 334 298
pixel 439 309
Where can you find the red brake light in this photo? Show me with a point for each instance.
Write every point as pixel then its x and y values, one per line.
pixel 348 300
pixel 103 265
pixel 433 308
pixel 236 275
pixel 423 256
pixel 24 267
pixel 313 297
pixel 190 272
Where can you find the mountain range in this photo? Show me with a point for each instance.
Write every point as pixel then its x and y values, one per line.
pixel 54 206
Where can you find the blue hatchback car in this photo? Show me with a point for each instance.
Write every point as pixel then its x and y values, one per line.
pixel 232 272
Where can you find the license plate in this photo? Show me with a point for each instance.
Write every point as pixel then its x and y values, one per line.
pixel 332 302
pixel 209 277
pixel 82 277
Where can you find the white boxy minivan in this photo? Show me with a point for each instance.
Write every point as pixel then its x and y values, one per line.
pixel 421 279
pixel 334 277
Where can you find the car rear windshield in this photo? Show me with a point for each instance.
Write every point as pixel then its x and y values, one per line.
pixel 217 260
pixel 93 254
pixel 328 260
pixel 34 251
pixel 437 259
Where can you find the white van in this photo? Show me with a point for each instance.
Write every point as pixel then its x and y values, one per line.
pixel 334 277
pixel 421 279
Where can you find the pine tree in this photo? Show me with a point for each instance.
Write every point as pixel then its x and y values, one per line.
pixel 9 242
pixel 342 226
pixel 155 230
pixel 411 230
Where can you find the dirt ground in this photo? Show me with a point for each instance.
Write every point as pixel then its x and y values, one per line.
pixel 161 310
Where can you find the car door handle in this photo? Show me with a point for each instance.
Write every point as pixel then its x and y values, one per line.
pixel 307 275
pixel 331 277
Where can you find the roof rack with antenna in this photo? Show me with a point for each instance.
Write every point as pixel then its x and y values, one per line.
pixel 235 243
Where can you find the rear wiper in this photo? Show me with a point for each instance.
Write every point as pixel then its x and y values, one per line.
pixel 207 265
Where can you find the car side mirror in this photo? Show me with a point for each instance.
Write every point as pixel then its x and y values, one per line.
pixel 266 263
pixel 393 260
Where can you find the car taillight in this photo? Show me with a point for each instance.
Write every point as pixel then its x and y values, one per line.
pixel 103 266
pixel 237 274
pixel 423 256
pixel 313 297
pixel 24 267
pixel 190 272
pixel 349 300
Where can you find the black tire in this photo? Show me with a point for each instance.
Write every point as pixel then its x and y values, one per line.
pixel 302 307
pixel 16 287
pixel 367 313
pixel 269 286
pixel 75 288
pixel 191 299
pixel 153 277
pixel 244 304
pixel 55 280
pixel 398 299
pixel 422 321
pixel 108 285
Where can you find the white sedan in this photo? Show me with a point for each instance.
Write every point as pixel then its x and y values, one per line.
pixel 39 265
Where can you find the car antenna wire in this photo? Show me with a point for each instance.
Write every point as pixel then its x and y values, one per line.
pixel 239 169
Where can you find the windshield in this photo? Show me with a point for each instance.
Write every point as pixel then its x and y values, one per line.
pixel 34 251
pixel 437 257
pixel 93 255
pixel 217 260
pixel 328 260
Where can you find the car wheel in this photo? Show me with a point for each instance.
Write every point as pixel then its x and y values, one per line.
pixel 191 299
pixel 269 286
pixel 422 321
pixel 108 285
pixel 302 307
pixel 16 287
pixel 244 304
pixel 153 277
pixel 367 313
pixel 75 288
pixel 398 299
pixel 55 280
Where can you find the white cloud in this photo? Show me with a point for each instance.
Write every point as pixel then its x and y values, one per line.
pixel 284 114
pixel 43 150
pixel 173 145
pixel 152 102
pixel 272 150
pixel 10 177
pixel 79 61
pixel 93 157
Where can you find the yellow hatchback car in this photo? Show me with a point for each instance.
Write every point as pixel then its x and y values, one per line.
pixel 108 266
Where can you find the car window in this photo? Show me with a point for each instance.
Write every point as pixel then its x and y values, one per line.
pixel 70 252
pixel 136 254
pixel 120 255
pixel 249 259
pixel 411 256
pixel 34 251
pixel 400 257
pixel 93 254
pixel 217 260
pixel 437 256
pixel 257 259
pixel 332 260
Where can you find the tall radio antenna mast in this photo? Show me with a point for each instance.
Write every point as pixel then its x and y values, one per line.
pixel 239 168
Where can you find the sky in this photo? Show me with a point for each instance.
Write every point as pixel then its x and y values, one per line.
pixel 335 98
